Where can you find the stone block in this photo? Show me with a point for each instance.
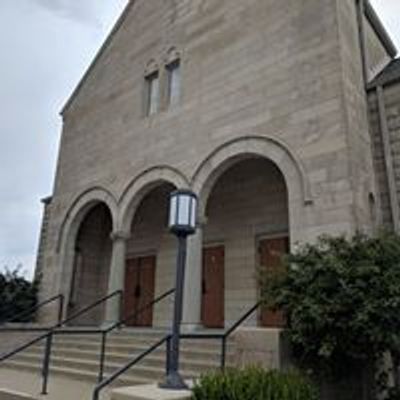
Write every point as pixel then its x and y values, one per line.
pixel 10 395
pixel 268 348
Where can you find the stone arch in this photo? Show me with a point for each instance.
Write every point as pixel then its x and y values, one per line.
pixel 225 156
pixel 172 55
pixel 79 208
pixel 151 67
pixel 72 221
pixel 137 189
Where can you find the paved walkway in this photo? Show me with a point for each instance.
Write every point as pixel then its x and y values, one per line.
pixel 59 388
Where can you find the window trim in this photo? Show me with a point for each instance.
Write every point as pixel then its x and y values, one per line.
pixel 152 108
pixel 172 99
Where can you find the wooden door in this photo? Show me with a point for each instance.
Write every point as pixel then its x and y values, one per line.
pixel 213 287
pixel 271 252
pixel 139 290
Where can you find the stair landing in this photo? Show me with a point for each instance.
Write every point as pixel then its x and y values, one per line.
pixel 60 388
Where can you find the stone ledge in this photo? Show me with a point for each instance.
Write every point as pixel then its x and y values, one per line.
pixel 11 395
pixel 267 347
pixel 149 392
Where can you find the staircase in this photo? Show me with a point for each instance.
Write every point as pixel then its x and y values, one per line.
pixel 76 357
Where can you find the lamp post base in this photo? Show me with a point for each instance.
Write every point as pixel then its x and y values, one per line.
pixel 174 382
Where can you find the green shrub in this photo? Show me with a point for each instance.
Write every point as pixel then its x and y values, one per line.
pixel 341 297
pixel 17 295
pixel 254 383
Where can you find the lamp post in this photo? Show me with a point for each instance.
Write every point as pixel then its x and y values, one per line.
pixel 182 222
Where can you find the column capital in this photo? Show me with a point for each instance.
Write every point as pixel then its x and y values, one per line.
pixel 120 235
pixel 201 221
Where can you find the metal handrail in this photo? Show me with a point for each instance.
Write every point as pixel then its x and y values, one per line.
pixel 90 307
pixel 48 336
pixel 57 330
pixel 140 310
pixel 167 339
pixel 225 335
pixel 118 324
pixel 106 382
pixel 25 313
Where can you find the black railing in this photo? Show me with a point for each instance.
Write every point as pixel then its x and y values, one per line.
pixel 108 381
pixel 49 334
pixel 224 336
pixel 122 322
pixel 22 316
pixel 57 330
pixel 167 340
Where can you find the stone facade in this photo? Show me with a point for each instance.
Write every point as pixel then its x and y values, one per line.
pixel 384 105
pixel 271 131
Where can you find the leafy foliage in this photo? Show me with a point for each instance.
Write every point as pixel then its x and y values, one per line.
pixel 17 295
pixel 254 383
pixel 342 301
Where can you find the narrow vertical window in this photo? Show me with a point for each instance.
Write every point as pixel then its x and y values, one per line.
pixel 153 89
pixel 174 83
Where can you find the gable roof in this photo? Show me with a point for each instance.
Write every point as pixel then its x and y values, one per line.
pixel 370 14
pixel 389 75
pixel 379 29
pixel 104 46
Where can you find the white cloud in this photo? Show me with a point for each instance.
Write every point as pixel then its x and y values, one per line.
pixel 49 44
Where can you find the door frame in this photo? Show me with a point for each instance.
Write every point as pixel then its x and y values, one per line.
pixel 260 238
pixel 210 245
pixel 135 256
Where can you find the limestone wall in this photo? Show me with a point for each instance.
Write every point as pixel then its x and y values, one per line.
pixel 391 101
pixel 91 265
pixel 356 120
pixel 274 69
pixel 150 236
pixel 377 56
pixel 248 203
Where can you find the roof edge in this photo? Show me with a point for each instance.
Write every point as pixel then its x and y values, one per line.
pixel 387 76
pixel 102 49
pixel 380 29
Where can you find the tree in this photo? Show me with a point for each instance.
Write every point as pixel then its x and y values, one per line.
pixel 17 296
pixel 342 302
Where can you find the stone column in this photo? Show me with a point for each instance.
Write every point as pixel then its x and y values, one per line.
pixel 116 279
pixel 191 318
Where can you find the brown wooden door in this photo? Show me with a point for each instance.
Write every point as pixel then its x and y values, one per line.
pixel 271 252
pixel 139 290
pixel 213 287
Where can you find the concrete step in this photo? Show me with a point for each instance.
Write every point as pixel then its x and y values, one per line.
pixel 198 360
pixel 196 350
pixel 115 361
pixel 66 366
pixel 95 340
pixel 76 374
pixel 77 356
pixel 146 369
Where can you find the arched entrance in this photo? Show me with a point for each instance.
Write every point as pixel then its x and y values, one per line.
pixel 91 264
pixel 247 228
pixel 150 258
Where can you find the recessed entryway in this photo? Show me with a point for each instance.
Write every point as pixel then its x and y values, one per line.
pixel 213 287
pixel 139 290
pixel 271 251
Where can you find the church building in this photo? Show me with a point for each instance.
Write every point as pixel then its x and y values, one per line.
pixel 283 116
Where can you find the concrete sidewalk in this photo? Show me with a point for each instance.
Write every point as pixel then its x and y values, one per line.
pixel 59 388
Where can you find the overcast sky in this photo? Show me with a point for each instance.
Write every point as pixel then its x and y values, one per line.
pixel 46 46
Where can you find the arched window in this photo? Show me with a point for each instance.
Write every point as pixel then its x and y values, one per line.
pixel 174 83
pixel 153 93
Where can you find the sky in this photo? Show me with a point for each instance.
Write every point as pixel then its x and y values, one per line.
pixel 46 47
